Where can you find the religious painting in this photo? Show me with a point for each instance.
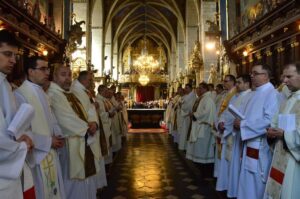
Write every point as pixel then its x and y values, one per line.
pixel 253 10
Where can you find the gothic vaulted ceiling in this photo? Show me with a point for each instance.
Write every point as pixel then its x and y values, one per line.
pixel 130 20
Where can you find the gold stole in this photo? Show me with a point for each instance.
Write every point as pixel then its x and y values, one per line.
pixel 89 162
pixel 224 105
pixel 194 109
pixel 226 100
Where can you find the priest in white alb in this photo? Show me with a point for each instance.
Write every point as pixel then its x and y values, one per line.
pixel 284 175
pixel 80 157
pixel 222 168
pixel 105 116
pixel 233 139
pixel 200 140
pixel 13 148
pixel 80 88
pixel 188 101
pixel 47 136
pixel 258 113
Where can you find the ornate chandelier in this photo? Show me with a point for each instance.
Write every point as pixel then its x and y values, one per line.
pixel 145 63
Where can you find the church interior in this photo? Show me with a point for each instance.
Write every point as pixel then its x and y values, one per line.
pixel 151 55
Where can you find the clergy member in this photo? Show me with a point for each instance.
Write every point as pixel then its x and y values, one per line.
pixel 258 112
pixel 233 139
pixel 222 165
pixel 176 119
pixel 116 127
pixel 105 116
pixel 80 157
pixel 13 150
pixel 188 101
pixel 200 144
pixel 80 88
pixel 284 176
pixel 46 136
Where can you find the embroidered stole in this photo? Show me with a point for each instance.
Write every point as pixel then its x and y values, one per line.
pixel 281 156
pixel 226 100
pixel 224 105
pixel 194 109
pixel 41 126
pixel 89 162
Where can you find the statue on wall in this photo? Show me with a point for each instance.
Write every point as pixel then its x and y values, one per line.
pixel 75 36
pixel 213 75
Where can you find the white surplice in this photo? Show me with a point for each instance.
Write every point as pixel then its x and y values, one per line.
pixel 43 127
pixel 186 108
pixel 233 145
pixel 200 145
pixel 258 111
pixel 288 159
pixel 12 154
pixel 116 128
pixel 218 100
pixel 77 186
pixel 106 122
pixel 81 93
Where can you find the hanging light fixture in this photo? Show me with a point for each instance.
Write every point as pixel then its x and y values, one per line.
pixel 145 63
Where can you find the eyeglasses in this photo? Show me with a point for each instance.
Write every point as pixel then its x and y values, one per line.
pixel 256 73
pixel 43 69
pixel 9 54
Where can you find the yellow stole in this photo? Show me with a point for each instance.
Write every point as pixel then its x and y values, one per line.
pixel 226 100
pixel 224 105
pixel 89 162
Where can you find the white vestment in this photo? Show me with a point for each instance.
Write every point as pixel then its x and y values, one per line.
pixel 256 160
pixel 12 154
pixel 223 168
pixel 218 100
pixel 186 108
pixel 116 127
pixel 200 144
pixel 43 127
pixel 284 176
pixel 80 92
pixel 106 122
pixel 175 118
pixel 77 186
pixel 233 145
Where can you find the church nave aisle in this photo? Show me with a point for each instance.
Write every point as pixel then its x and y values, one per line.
pixel 149 166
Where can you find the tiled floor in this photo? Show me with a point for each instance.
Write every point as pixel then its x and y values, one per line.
pixel 149 166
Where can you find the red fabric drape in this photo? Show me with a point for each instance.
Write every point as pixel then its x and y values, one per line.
pixel 144 93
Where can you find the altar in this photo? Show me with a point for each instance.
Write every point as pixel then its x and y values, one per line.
pixel 145 118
